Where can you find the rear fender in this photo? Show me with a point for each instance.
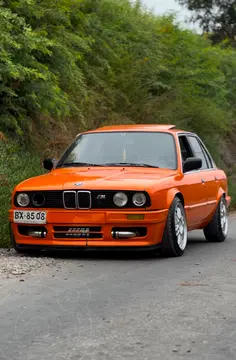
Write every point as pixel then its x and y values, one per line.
pixel 221 193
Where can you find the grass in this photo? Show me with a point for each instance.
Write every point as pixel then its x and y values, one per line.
pixel 17 164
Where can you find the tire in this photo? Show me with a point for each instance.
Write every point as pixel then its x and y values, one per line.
pixel 175 235
pixel 217 229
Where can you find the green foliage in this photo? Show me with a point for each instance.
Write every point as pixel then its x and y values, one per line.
pixel 103 61
pixel 16 164
pixel 27 87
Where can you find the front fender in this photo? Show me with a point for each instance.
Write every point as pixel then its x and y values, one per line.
pixel 171 194
pixel 164 198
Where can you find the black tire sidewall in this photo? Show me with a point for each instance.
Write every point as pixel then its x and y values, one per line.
pixel 170 242
pixel 213 231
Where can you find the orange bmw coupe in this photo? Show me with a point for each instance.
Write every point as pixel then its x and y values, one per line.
pixel 123 187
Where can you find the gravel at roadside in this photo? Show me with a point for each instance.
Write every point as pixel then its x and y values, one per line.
pixel 14 265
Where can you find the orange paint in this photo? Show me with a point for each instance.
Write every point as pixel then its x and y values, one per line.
pixel 200 190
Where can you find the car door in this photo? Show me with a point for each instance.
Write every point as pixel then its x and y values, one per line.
pixel 208 171
pixel 193 186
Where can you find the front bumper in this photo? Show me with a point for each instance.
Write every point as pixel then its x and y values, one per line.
pixel 153 221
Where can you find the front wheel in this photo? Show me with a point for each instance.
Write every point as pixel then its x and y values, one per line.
pixel 217 229
pixel 176 232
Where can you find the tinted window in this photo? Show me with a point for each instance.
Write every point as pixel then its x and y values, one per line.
pixel 153 148
pixel 198 151
pixel 209 160
pixel 185 148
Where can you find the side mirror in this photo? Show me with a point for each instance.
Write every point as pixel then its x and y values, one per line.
pixel 192 163
pixel 48 164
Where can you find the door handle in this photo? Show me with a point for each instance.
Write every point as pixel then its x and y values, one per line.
pixel 203 181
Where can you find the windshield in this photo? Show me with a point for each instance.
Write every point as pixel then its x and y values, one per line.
pixel 148 149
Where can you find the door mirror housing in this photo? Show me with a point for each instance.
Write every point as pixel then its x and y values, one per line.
pixel 192 163
pixel 49 164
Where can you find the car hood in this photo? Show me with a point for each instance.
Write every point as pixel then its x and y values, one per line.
pixel 97 178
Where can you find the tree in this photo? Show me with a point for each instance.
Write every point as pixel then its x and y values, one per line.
pixel 27 87
pixel 215 16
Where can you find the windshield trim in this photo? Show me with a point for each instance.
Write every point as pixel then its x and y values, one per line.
pixel 74 143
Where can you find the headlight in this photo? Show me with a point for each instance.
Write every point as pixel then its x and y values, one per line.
pixel 23 199
pixel 120 199
pixel 139 199
pixel 38 199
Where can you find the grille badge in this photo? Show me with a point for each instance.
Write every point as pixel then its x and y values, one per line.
pixel 101 197
pixel 78 184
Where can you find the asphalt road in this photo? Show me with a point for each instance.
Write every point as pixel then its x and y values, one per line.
pixel 122 307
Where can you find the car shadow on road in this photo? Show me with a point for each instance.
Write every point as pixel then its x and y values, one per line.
pixel 92 255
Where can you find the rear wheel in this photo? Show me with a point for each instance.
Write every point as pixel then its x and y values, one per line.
pixel 176 233
pixel 217 229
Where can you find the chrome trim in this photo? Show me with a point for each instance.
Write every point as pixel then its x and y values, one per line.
pixel 90 198
pixel 211 202
pixel 37 234
pixel 63 199
pixel 190 207
pixel 123 234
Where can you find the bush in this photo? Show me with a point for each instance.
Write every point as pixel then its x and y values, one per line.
pixel 16 164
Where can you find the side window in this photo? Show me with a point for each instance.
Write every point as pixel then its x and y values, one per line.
pixel 185 148
pixel 209 160
pixel 199 151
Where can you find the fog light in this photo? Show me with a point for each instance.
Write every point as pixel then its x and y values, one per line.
pixel 37 233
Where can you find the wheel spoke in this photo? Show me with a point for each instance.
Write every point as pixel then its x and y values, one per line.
pixel 179 213
pixel 223 217
pixel 180 227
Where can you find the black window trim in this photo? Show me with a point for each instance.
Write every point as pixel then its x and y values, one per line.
pixel 213 165
pixel 190 148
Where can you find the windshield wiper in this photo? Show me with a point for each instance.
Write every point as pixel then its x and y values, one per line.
pixel 131 164
pixel 78 164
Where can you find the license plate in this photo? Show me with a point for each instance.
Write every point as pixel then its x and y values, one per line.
pixel 30 217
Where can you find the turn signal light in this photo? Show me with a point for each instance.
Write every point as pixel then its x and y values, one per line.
pixel 135 217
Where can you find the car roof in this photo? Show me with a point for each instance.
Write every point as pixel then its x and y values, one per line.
pixel 137 127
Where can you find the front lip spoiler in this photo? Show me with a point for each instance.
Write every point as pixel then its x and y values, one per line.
pixel 89 248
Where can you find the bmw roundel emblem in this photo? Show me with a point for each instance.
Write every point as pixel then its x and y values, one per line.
pixel 78 184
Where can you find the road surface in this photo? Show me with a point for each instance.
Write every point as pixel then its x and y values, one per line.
pixel 110 307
